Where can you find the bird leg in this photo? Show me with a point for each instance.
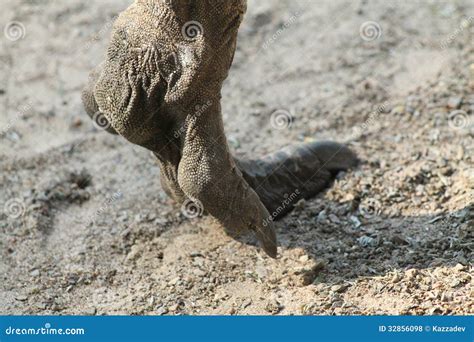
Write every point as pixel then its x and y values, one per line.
pixel 160 88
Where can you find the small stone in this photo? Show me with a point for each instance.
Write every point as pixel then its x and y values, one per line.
pixel 300 205
pixel 446 297
pixel 322 217
pixel 455 283
pixel 57 307
pixel 304 258
pixel 35 273
pixel 334 219
pixel 308 274
pixel 199 273
pixel 161 311
pixel 459 268
pixel 399 240
pixel 21 298
pixel 246 303
pixel 134 253
pixel 77 122
pixel 339 288
pixel 398 110
pixel 411 273
pixel 90 312
pixel 41 306
pixel 454 102
pixel 355 221
pixel 139 218
pixel 396 278
pixel 435 310
pixel 365 241
pixel 234 142
pixel 173 281
pixel 174 307
pixel 273 306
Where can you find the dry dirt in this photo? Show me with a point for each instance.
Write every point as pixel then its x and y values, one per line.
pixel 85 227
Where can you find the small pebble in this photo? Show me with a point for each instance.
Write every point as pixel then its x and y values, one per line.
pixel 90 312
pixel 21 298
pixel 161 311
pixel 396 278
pixel 334 218
pixel 273 306
pixel 322 217
pixel 339 288
pixel 304 258
pixel 454 102
pixel 411 273
pixel 174 307
pixel 366 241
pixel 459 268
pixel 355 221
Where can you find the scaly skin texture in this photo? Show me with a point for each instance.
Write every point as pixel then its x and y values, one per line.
pixel 160 88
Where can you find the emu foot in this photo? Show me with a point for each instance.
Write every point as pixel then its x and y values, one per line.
pixel 282 178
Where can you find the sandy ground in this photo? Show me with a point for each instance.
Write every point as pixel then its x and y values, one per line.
pixel 85 227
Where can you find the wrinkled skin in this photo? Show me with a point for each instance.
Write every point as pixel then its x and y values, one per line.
pixel 160 88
